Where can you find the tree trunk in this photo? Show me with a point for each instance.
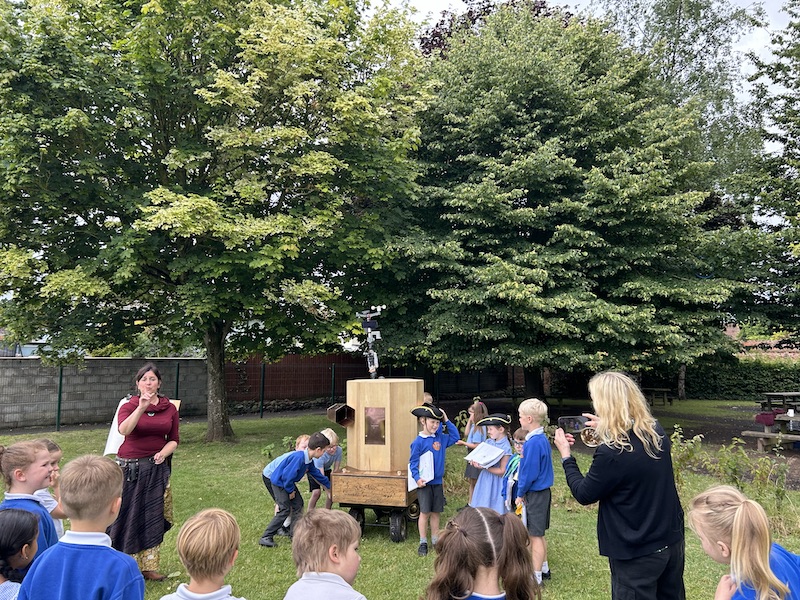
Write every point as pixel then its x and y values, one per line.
pixel 219 425
pixel 682 382
pixel 534 384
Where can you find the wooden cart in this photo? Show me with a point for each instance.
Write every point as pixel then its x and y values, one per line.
pixel 380 429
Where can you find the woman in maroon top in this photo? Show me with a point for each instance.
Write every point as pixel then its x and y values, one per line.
pixel 149 423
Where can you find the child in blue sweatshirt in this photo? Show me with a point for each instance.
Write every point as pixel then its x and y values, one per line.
pixel 430 494
pixel 284 484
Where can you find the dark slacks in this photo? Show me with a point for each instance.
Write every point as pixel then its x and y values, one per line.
pixel 286 507
pixel 656 576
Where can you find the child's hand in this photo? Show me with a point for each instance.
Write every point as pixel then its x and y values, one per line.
pixel 461 443
pixel 292 495
pixel 54 480
pixel 444 416
pixel 726 588
pixel 420 483
pixel 518 501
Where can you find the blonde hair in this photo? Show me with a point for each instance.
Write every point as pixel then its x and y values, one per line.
pixel 331 435
pixel 723 514
pixel 207 542
pixel 533 407
pixel 19 455
pixel 316 532
pixel 303 437
pixel 620 406
pixel 89 484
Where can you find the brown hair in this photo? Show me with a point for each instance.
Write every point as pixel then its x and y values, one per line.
pixel 89 484
pixel 478 537
pixel 19 455
pixel 318 440
pixel 316 532
pixel 146 369
pixel 207 542
pixel 723 514
pixel 50 445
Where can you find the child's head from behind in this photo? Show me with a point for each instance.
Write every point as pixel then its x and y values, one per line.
pixel 327 541
pixel 25 466
pixel 18 532
pixel 479 539
pixel 91 488
pixel 533 410
pixel 734 530
pixel 208 544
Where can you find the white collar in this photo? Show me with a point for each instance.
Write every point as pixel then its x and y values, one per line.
pixel 537 431
pixel 10 496
pixel 86 538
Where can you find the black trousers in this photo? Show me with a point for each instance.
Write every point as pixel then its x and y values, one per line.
pixel 286 507
pixel 656 576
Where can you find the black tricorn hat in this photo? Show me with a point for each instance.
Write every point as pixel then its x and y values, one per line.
pixel 426 409
pixel 497 419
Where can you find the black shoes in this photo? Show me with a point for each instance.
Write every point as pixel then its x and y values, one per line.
pixel 546 575
pixel 423 549
pixel 282 531
pixel 267 542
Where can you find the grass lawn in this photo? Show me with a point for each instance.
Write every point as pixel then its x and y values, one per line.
pixel 229 476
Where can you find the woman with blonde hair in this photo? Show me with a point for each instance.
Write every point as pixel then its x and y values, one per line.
pixel 734 530
pixel 640 519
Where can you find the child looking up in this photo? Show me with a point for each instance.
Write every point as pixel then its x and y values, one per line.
pixel 489 489
pixel 735 531
pixel 482 555
pixel 325 550
pixel 18 531
pixel 26 467
pixel 83 564
pixel 535 480
pixel 46 498
pixel 284 484
pixel 208 544
pixel 435 440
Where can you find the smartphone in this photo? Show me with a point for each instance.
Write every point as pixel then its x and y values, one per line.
pixel 572 424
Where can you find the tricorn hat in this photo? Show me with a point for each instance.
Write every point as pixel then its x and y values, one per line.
pixel 426 409
pixel 497 419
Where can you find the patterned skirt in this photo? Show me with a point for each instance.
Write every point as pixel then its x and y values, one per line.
pixel 142 522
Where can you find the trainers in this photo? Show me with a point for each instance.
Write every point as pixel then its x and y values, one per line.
pixel 282 531
pixel 267 542
pixel 546 575
pixel 423 549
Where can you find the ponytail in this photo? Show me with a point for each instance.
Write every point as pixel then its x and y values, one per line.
pixel 515 565
pixel 723 514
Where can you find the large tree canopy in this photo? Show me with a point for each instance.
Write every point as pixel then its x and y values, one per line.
pixel 558 222
pixel 203 170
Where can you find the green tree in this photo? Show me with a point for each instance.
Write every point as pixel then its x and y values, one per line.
pixel 199 170
pixel 557 224
pixel 778 91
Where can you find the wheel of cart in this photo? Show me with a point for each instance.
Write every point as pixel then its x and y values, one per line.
pixel 397 522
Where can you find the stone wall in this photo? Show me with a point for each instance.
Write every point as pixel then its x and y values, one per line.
pixel 29 391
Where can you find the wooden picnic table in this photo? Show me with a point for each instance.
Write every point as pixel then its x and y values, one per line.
pixel 784 397
pixel 652 394
pixel 769 437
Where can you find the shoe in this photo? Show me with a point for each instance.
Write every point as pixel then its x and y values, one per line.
pixel 153 576
pixel 282 531
pixel 546 575
pixel 267 542
pixel 423 549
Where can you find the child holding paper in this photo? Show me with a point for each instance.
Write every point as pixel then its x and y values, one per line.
pixel 489 488
pixel 435 440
